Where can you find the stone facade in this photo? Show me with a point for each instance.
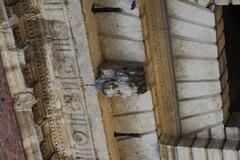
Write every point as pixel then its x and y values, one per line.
pixel 51 51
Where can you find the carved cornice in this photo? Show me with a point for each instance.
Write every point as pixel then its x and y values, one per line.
pixel 51 70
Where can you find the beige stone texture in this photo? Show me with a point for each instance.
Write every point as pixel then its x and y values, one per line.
pixel 135 123
pixel 192 13
pixel 199 122
pixel 204 3
pixel 230 150
pixel 119 25
pixel 133 103
pixel 214 150
pixel 199 150
pixel 199 106
pixel 144 148
pixel 184 151
pixel 203 134
pixel 81 45
pixel 191 31
pixel 222 2
pixel 218 132
pixel 168 147
pixel 121 39
pixel 198 89
pixel 236 2
pixel 109 127
pixel 189 49
pixel 122 49
pixel 186 69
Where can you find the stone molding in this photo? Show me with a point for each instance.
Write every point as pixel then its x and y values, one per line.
pixel 44 32
pixel 160 60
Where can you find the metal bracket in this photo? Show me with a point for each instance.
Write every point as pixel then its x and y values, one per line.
pixel 104 9
pixel 117 134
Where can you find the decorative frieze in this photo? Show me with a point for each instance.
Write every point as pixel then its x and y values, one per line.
pixel 52 71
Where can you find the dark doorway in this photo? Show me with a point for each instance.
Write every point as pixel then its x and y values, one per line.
pixel 231 15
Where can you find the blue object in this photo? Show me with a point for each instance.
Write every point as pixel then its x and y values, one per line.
pixel 134 5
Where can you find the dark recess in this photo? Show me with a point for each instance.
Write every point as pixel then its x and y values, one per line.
pixel 231 15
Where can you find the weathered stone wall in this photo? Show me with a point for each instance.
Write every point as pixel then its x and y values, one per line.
pixel 121 38
pixel 22 97
pixel 58 67
pixel 196 65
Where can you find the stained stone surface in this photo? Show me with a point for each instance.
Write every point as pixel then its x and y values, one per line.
pixel 121 38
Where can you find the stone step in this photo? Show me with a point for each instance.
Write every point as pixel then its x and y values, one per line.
pixel 218 132
pixel 133 103
pixel 198 149
pixel 184 148
pixel 135 122
pixel 190 90
pixel 190 12
pixel 190 49
pixel 199 70
pixel 192 31
pixel 114 48
pixel 200 122
pixel 199 106
pixel 114 24
pixel 145 148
